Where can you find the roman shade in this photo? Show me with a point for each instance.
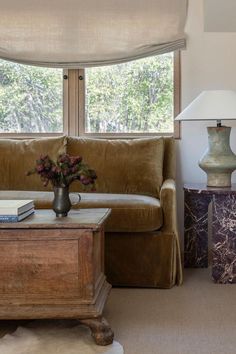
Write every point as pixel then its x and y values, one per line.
pixel 83 33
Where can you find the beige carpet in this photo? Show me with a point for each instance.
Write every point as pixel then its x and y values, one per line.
pixel 196 318
pixel 53 337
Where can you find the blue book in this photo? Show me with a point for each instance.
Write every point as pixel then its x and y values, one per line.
pixel 16 218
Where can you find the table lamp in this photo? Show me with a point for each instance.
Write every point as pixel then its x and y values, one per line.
pixel 218 161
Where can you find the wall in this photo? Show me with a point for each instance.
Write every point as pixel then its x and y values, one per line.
pixel 209 62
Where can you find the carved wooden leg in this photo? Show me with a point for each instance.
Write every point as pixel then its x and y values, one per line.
pixel 101 330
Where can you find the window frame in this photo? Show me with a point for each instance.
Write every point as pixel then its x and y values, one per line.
pixel 74 108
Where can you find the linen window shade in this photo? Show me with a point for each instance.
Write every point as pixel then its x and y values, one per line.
pixel 84 33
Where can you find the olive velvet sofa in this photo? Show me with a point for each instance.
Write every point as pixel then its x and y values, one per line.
pixel 136 179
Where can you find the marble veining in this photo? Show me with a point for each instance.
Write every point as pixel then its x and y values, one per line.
pixel 223 231
pixel 224 239
pixel 196 230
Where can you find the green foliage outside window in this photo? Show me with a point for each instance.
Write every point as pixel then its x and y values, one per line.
pixel 30 99
pixel 125 98
pixel 131 97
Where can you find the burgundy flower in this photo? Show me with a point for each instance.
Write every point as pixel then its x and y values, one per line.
pixel 64 171
pixel 74 160
pixel 85 180
pixel 74 169
pixel 39 168
pixel 64 158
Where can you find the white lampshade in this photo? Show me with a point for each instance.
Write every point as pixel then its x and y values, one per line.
pixel 211 105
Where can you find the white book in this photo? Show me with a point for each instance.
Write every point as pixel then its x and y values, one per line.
pixel 16 218
pixel 15 207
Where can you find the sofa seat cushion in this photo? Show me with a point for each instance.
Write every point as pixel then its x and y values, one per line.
pixel 130 213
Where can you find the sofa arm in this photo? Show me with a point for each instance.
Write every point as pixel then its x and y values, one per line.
pixel 168 204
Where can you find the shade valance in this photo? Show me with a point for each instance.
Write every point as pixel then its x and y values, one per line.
pixel 83 33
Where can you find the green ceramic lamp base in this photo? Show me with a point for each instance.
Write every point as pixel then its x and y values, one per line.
pixel 221 180
pixel 219 161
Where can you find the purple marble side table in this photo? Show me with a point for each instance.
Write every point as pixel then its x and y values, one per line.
pixel 196 201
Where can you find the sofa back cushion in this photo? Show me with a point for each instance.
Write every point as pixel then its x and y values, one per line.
pixel 169 163
pixel 17 157
pixel 123 166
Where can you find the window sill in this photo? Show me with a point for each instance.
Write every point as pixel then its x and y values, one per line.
pixel 29 135
pixel 123 135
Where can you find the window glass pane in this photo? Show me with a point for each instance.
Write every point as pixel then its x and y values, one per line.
pixel 134 97
pixel 31 99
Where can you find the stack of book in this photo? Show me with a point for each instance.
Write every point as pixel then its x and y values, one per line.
pixel 15 210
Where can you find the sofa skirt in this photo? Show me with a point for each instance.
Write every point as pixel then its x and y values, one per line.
pixel 145 259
